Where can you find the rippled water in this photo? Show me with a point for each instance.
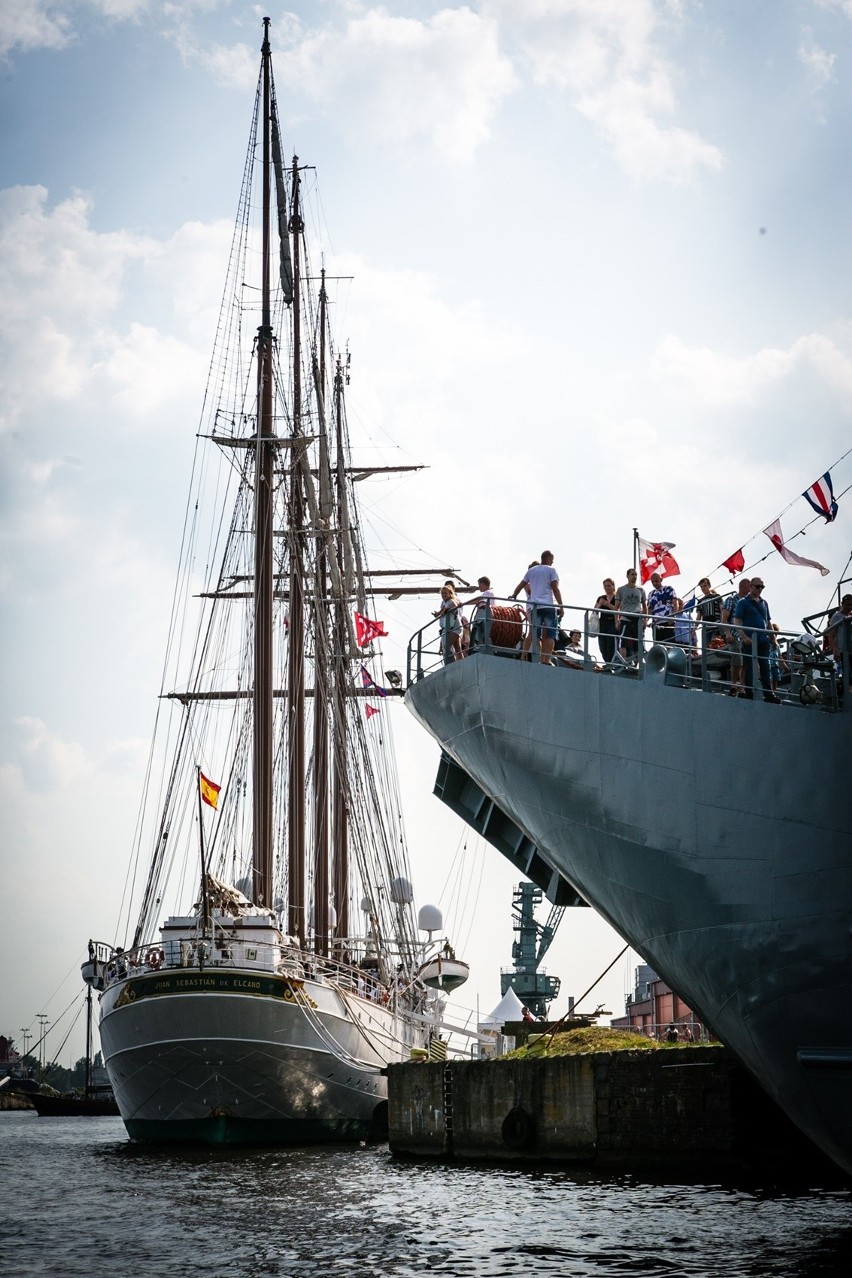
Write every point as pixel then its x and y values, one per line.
pixel 78 1201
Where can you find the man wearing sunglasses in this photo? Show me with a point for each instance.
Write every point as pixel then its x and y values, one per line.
pixel 754 622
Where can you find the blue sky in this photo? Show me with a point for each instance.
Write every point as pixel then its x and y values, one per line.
pixel 601 281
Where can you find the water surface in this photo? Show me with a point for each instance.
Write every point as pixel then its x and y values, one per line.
pixel 80 1201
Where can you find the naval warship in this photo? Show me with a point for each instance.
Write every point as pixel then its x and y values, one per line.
pixel 712 832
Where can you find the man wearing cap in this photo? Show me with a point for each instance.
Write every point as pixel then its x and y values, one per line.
pixel 753 621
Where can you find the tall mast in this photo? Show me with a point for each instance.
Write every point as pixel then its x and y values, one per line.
pixel 339 802
pixel 296 629
pixel 263 562
pixel 321 659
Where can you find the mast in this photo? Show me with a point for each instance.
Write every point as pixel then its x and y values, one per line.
pixel 87 1082
pixel 263 562
pixel 321 660
pixel 339 801
pixel 296 634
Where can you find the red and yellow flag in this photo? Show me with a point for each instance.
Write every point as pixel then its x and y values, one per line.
pixel 209 790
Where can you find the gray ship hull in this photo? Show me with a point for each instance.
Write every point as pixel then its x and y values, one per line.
pixel 714 834
pixel 224 1065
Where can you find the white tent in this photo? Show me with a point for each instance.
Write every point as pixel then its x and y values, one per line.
pixel 510 1008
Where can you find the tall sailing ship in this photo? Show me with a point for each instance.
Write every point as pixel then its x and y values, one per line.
pixel 268 1009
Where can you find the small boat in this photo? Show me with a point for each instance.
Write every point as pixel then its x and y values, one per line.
pixel 96 1100
pixel 444 971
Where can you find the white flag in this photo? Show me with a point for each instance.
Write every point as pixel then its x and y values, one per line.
pixel 776 536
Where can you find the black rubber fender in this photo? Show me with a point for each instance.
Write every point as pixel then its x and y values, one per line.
pixel 518 1129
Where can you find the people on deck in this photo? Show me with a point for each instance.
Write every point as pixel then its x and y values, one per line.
pixel 661 608
pixel 631 612
pixel 709 610
pixel 449 625
pixel 541 583
pixel 840 628
pixel 605 608
pixel 734 637
pixel 754 622
pixel 480 605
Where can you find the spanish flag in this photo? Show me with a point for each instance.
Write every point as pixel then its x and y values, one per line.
pixel 209 790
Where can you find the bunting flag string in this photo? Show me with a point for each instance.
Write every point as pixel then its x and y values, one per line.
pixel 370 684
pixel 821 496
pixel 776 536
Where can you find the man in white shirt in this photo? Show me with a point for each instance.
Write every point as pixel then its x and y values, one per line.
pixel 542 585
pixel 481 606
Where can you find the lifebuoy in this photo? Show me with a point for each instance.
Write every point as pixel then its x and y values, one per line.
pixel 152 958
pixel 518 1129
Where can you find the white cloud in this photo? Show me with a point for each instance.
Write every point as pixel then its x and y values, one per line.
pixel 47 763
pixel 390 79
pixel 818 62
pixel 33 24
pixel 841 6
pixel 709 377
pixel 604 55
pixel 49 24
pixel 819 65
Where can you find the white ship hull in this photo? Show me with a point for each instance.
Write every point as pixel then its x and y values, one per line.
pixel 238 1057
pixel 715 835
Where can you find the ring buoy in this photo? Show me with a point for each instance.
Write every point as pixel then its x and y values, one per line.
pixel 518 1129
pixel 152 958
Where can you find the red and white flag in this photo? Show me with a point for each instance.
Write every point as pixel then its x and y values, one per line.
pixel 654 557
pixel 367 630
pixel 776 536
pixel 371 710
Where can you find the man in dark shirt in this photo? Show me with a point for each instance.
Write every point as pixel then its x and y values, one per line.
pixel 753 620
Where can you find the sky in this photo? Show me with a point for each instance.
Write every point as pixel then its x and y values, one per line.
pixel 600 263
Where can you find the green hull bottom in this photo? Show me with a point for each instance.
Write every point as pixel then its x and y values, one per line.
pixel 230 1130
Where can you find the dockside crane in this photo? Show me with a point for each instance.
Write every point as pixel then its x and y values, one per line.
pixel 535 988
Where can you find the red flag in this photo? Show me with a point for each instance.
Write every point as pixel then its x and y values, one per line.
pixel 367 630
pixel 776 536
pixel 735 562
pixel 209 790
pixel 654 557
pixel 371 710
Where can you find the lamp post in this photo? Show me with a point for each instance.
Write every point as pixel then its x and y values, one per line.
pixel 41 1017
pixel 26 1036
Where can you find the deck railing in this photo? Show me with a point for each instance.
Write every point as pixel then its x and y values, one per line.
pixel 688 654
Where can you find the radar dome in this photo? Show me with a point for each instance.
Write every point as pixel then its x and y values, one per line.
pixel 430 919
pixel 366 905
pixel 402 893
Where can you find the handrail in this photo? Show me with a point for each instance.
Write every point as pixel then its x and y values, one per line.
pixel 809 679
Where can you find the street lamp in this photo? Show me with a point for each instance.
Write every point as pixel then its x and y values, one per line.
pixel 41 1017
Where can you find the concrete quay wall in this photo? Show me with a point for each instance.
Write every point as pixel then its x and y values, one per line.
pixel 689 1104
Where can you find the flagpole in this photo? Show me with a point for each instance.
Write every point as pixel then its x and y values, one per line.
pixel 205 900
pixel 635 549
